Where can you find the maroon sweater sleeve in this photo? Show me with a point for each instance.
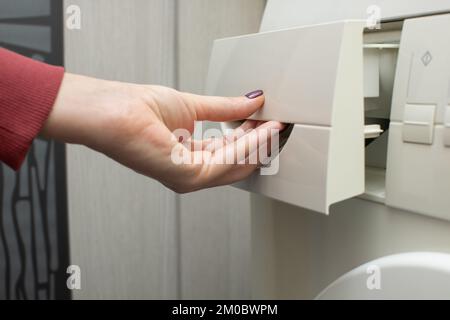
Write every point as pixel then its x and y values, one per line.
pixel 28 90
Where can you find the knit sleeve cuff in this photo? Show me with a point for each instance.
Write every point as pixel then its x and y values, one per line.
pixel 28 90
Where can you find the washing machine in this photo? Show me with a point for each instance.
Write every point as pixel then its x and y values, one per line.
pixel 356 204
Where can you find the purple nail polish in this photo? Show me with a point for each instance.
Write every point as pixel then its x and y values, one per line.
pixel 254 94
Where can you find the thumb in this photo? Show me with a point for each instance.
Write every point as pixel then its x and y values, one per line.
pixel 223 108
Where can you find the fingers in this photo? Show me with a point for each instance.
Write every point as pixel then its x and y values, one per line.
pixel 244 128
pixel 222 108
pixel 239 173
pixel 219 172
pixel 216 143
pixel 249 145
pixel 232 160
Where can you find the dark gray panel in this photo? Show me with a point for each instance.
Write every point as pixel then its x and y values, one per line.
pixel 33 214
pixel 27 36
pixel 24 8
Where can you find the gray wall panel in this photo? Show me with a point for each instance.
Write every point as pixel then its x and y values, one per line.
pixel 121 224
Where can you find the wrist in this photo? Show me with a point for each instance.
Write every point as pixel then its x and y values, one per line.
pixel 78 112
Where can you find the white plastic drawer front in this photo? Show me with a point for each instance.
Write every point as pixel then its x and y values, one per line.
pixel 312 77
pixel 418 175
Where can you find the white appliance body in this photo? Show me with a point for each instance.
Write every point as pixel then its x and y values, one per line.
pixel 414 275
pixel 297 252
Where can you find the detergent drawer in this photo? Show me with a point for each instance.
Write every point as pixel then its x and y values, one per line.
pixel 313 79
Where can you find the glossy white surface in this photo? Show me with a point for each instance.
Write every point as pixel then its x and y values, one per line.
pixel 417 82
pixel 418 175
pixel 293 13
pixel 298 253
pixel 318 85
pixel 415 275
pixel 297 73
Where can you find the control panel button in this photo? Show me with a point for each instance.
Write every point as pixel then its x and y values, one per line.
pixel 418 124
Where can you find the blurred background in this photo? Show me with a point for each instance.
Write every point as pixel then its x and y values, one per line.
pixel 34 251
pixel 131 237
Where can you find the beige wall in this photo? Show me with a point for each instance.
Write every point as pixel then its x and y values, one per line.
pixel 215 224
pixel 131 237
pixel 122 230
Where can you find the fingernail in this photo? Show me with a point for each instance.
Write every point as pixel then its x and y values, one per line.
pixel 254 94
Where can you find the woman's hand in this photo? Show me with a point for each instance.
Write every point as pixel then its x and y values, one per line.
pixel 134 125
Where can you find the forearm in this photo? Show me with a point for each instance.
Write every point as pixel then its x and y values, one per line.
pixel 130 123
pixel 97 113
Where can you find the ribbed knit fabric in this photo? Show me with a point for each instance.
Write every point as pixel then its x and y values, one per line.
pixel 28 90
